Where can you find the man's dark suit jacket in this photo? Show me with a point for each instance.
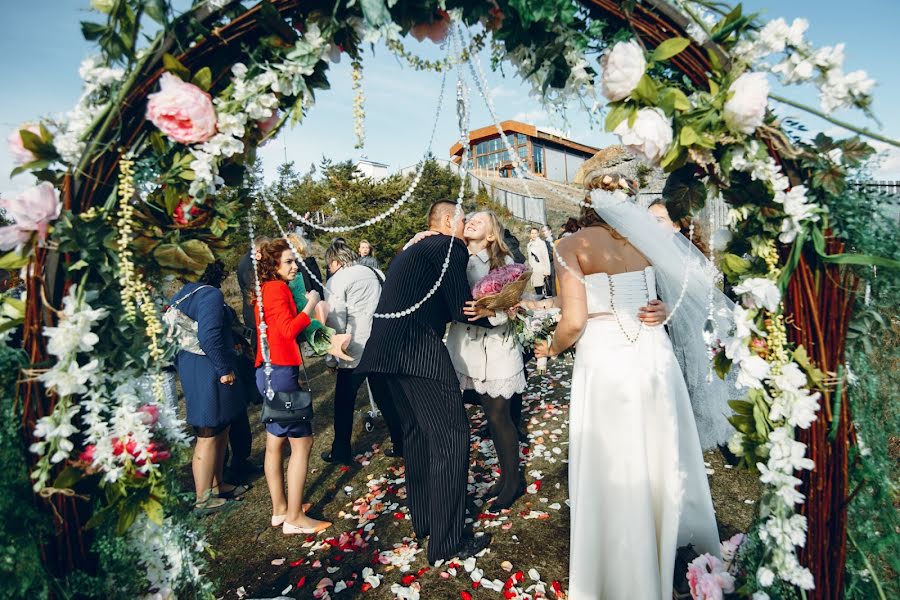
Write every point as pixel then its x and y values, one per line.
pixel 413 345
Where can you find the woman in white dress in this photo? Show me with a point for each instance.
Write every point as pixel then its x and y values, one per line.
pixel 636 476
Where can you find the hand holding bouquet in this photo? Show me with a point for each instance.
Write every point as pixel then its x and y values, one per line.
pixel 535 325
pixel 501 288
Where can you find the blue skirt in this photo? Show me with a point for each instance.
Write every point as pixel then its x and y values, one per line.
pixel 284 379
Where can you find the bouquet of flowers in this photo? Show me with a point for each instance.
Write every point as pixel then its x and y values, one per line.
pixel 502 288
pixel 533 325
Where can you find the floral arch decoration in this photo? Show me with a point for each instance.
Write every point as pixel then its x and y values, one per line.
pixel 131 188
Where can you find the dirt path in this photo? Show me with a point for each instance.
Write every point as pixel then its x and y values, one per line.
pixel 371 551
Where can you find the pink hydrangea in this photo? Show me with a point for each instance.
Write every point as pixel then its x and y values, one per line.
pixel 21 154
pixel 708 578
pixel 32 212
pixel 496 280
pixel 182 111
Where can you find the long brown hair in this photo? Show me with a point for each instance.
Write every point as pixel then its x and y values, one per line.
pixel 684 227
pixel 497 249
pixel 268 263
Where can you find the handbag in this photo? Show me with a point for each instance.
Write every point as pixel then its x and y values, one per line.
pixel 289 407
pixel 181 328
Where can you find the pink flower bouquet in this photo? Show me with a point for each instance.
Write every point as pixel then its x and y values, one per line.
pixel 182 111
pixel 502 288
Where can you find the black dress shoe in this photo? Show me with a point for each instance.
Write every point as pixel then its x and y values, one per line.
pixel 504 503
pixel 327 457
pixel 244 472
pixel 393 453
pixel 470 546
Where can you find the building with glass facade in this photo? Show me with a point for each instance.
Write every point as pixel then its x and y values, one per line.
pixel 545 153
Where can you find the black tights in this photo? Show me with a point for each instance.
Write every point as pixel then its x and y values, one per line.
pixel 506 442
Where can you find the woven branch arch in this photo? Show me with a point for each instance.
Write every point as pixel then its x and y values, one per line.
pixel 819 296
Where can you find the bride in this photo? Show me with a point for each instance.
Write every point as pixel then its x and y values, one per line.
pixel 636 476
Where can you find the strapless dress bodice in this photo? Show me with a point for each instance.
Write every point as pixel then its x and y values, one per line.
pixel 626 292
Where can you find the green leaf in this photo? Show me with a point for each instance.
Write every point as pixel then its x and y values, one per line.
pixel 203 79
pixel 688 136
pixel 733 265
pixel 92 31
pixel 742 423
pixel 722 365
pixel 759 420
pixel 67 478
pixel 174 66
pixel 618 114
pixel 741 407
pixel 678 98
pixel 375 12
pixel 156 10
pixel 12 261
pixel 127 515
pixel 157 142
pixel 647 90
pixel 713 87
pixel 192 256
pixel 81 264
pixel 684 192
pixel 670 48
pixel 154 510
pixel 849 259
pixel 33 142
pixel 171 197
pixel 714 61
pixel 673 157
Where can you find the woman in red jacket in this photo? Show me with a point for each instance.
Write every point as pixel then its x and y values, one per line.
pixel 277 266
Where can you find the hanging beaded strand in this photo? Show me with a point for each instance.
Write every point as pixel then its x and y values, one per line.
pixel 263 338
pixel 404 198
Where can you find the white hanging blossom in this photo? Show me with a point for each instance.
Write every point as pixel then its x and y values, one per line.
pixel 99 81
pixel 171 553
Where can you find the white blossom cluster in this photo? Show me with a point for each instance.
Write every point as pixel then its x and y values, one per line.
pixel 800 62
pixel 255 99
pixel 797 208
pixel 95 99
pixel 171 553
pixel 579 87
pixel 67 377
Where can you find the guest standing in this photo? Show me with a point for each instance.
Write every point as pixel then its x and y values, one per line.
pixel 366 256
pixel 247 282
pixel 353 293
pixel 538 260
pixel 550 283
pixel 277 267
pixel 489 361
pixel 409 355
pixel 205 365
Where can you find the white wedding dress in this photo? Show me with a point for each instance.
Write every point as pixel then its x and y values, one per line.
pixel 636 476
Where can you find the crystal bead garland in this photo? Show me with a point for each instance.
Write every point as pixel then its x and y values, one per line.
pixel 263 338
pixel 711 327
pixel 404 198
pixel 462 114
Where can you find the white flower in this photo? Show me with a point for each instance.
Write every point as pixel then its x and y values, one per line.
pixel 743 322
pixel 798 211
pixel 784 484
pixel 776 35
pixel 785 453
pixel 785 532
pixel 745 108
pixel 650 136
pixel 798 407
pixel 765 577
pixel 623 65
pixel 760 596
pixel 753 370
pixel 762 291
pixel 795 68
pixel 791 377
pixel 72 380
pixel 736 443
pixel 829 57
pixel 720 239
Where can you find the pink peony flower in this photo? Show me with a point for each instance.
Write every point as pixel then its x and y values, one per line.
pixel 496 280
pixel 32 212
pixel 21 154
pixel 708 578
pixel 182 111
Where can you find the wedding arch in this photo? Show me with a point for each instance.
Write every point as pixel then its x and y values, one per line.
pixel 131 186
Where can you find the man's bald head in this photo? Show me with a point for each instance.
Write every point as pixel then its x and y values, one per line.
pixel 442 218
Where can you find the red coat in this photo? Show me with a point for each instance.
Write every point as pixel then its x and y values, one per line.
pixel 284 325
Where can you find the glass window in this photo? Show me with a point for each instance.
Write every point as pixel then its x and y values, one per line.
pixel 523 151
pixel 538 159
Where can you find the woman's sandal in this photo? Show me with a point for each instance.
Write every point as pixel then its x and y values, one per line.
pixel 234 493
pixel 289 529
pixel 278 520
pixel 209 506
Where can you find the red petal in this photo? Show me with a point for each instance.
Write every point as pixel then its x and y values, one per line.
pixel 301 582
pixel 465 595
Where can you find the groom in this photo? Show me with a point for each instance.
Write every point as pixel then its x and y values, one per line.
pixel 409 356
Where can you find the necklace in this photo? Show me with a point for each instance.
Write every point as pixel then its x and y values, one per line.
pixel 612 306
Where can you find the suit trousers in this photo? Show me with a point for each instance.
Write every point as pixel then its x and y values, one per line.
pixel 436 452
pixel 346 386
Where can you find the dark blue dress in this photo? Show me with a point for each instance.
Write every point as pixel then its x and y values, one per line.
pixel 209 403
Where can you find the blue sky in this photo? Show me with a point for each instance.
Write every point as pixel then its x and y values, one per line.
pixel 41 45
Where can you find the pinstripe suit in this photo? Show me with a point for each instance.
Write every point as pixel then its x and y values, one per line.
pixel 410 356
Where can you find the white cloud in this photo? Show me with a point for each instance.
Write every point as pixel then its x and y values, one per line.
pixel 531 116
